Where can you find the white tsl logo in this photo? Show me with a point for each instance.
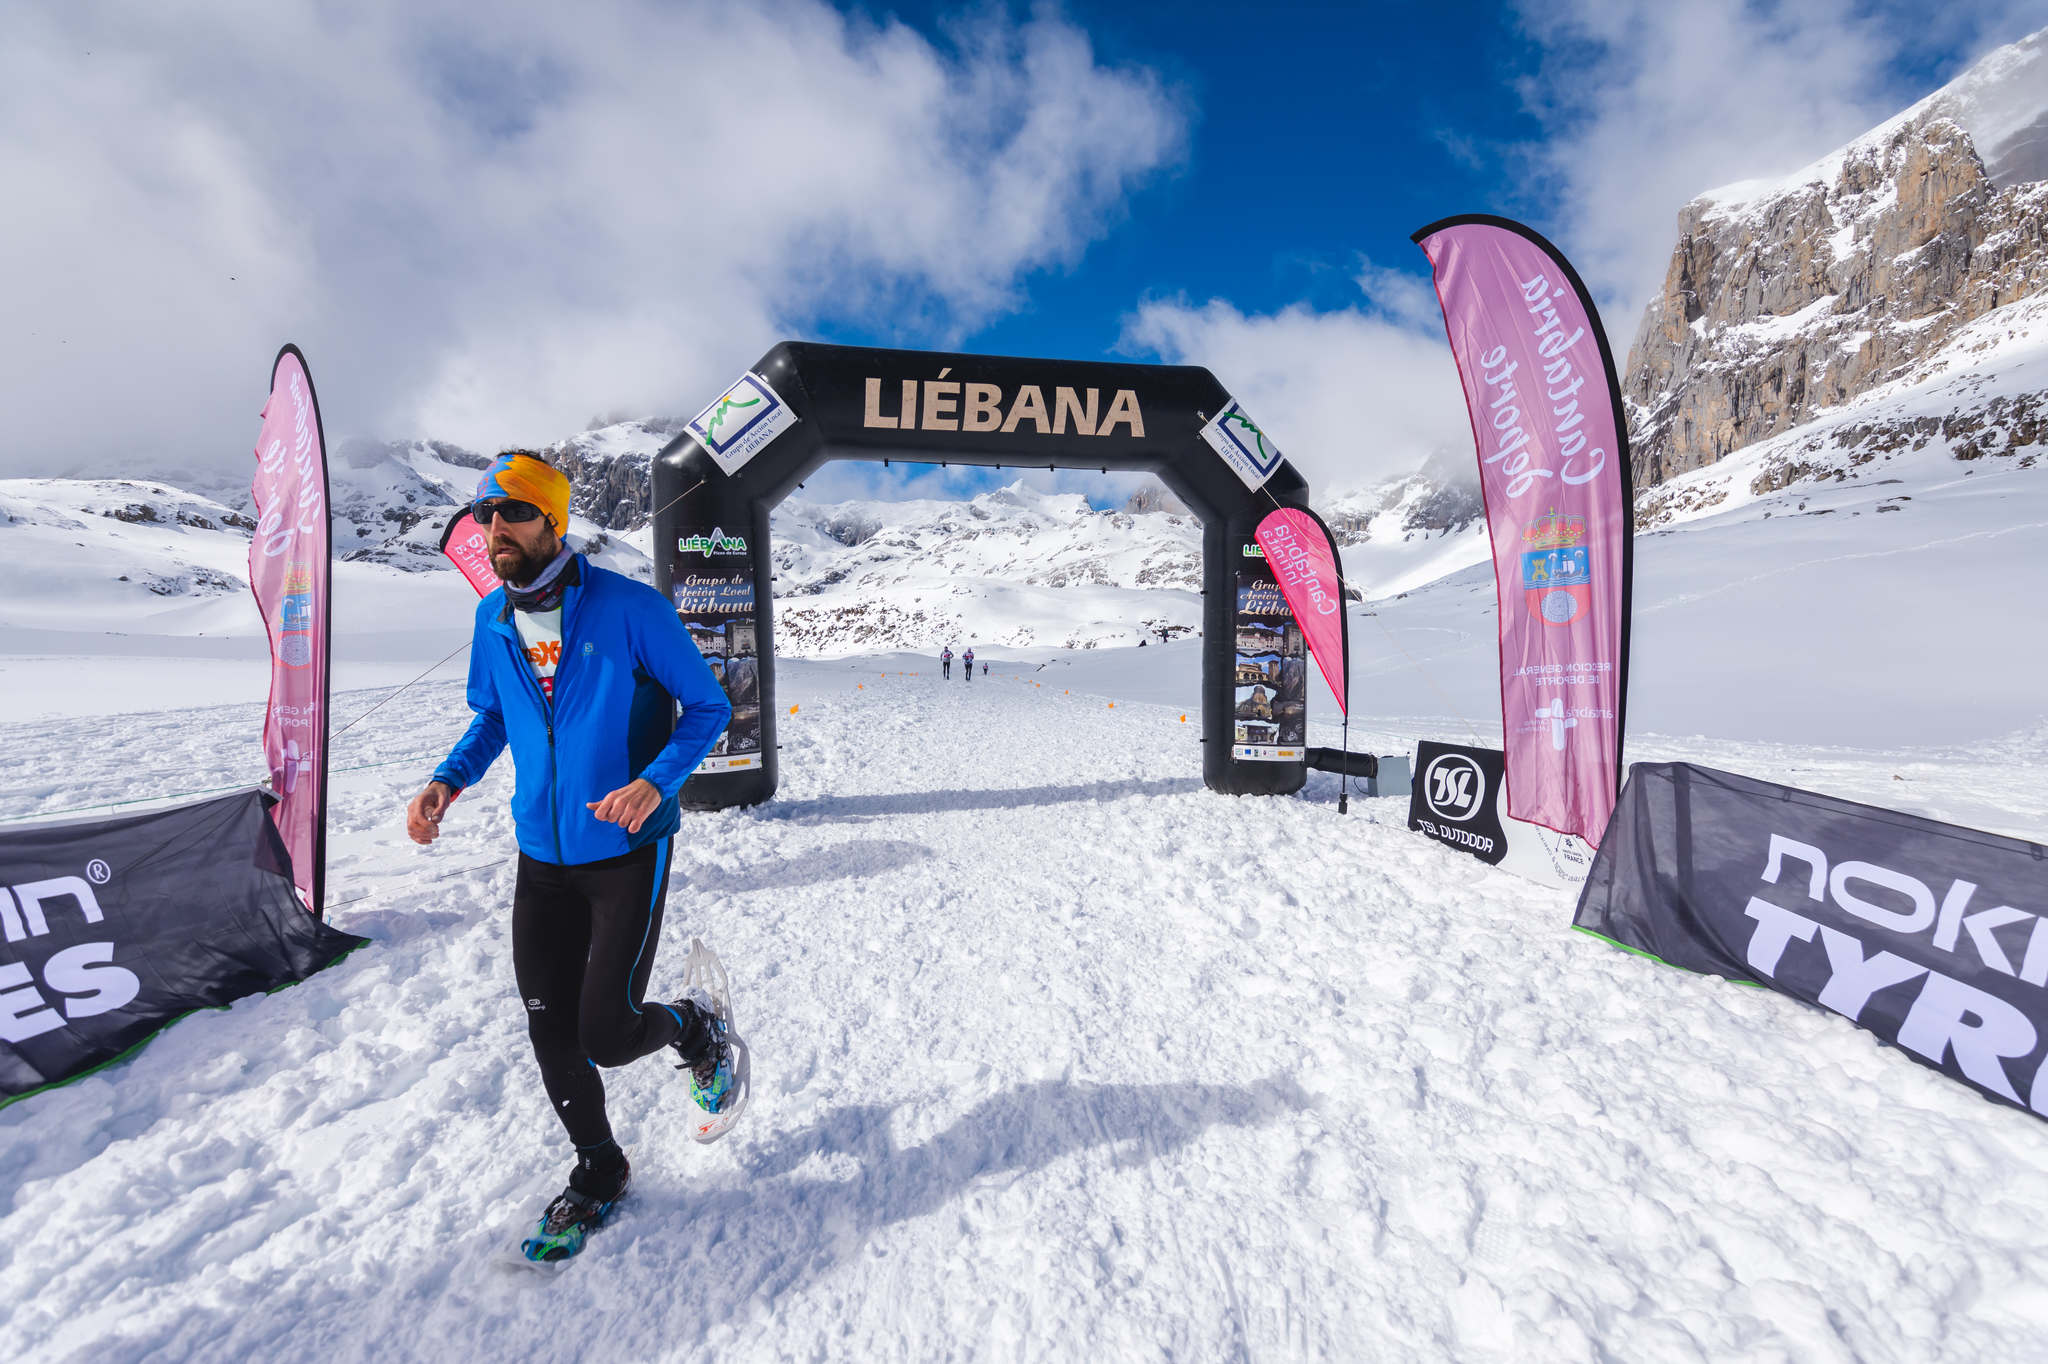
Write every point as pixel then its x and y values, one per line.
pixel 1453 787
pixel 1244 447
pixel 82 975
pixel 741 422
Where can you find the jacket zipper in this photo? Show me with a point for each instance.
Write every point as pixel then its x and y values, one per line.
pixel 561 666
pixel 547 712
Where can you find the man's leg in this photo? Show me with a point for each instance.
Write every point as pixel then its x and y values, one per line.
pixel 550 940
pixel 626 895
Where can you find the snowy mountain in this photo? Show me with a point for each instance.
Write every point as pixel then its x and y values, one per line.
pixel 1788 298
pixel 1412 530
pixel 391 501
pixel 608 466
pixel 118 560
pixel 1015 567
pixel 1979 402
pixel 1021 568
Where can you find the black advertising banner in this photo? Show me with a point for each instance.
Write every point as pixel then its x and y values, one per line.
pixel 1459 797
pixel 1455 798
pixel 111 929
pixel 1926 934
pixel 713 582
pixel 803 405
pixel 1270 692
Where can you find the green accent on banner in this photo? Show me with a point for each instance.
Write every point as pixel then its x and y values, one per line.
pixel 1637 951
pixel 159 1032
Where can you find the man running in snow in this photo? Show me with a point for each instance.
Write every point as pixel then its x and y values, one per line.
pixel 946 664
pixel 968 658
pixel 579 671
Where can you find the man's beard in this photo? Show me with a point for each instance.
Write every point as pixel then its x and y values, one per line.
pixel 527 566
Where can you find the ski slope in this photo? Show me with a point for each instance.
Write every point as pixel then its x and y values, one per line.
pixel 1057 1056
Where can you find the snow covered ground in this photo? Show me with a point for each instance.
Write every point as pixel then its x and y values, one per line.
pixel 1059 1056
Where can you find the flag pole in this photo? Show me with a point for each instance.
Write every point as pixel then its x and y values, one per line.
pixel 1344 781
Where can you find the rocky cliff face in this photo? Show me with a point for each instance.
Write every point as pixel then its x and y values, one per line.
pixel 1775 309
pixel 1154 497
pixel 1442 497
pixel 1788 298
pixel 609 469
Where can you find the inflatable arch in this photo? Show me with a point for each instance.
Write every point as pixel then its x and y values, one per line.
pixel 804 404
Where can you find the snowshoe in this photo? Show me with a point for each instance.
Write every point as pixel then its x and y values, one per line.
pixel 720 1081
pixel 570 1219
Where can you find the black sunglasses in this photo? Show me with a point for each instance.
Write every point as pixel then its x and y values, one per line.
pixel 508 510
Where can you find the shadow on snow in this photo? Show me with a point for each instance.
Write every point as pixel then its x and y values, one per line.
pixel 823 808
pixel 686 1266
pixel 860 857
pixel 812 1200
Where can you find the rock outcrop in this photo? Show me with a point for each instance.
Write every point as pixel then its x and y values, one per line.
pixel 1779 306
pixel 1788 298
pixel 1442 497
pixel 609 469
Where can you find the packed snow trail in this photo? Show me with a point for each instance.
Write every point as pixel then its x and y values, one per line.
pixel 1059 1056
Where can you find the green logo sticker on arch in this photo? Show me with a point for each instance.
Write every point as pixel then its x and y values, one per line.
pixel 741 422
pixel 1244 447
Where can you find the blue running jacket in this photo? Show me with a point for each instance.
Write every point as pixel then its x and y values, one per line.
pixel 626 663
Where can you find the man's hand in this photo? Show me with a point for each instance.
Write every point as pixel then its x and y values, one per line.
pixel 423 816
pixel 629 806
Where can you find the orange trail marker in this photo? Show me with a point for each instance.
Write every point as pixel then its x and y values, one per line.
pixel 1112 705
pixel 792 710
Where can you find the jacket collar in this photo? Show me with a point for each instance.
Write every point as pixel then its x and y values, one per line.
pixel 572 579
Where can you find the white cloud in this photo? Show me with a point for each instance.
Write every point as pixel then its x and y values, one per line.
pixel 484 225
pixel 1466 151
pixel 1351 397
pixel 1650 104
pixel 1404 297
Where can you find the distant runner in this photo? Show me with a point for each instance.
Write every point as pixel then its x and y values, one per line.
pixel 573 667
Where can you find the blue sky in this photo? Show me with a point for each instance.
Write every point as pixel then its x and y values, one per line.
pixel 493 225
pixel 1318 134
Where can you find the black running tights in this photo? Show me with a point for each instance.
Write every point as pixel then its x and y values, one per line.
pixel 583 942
